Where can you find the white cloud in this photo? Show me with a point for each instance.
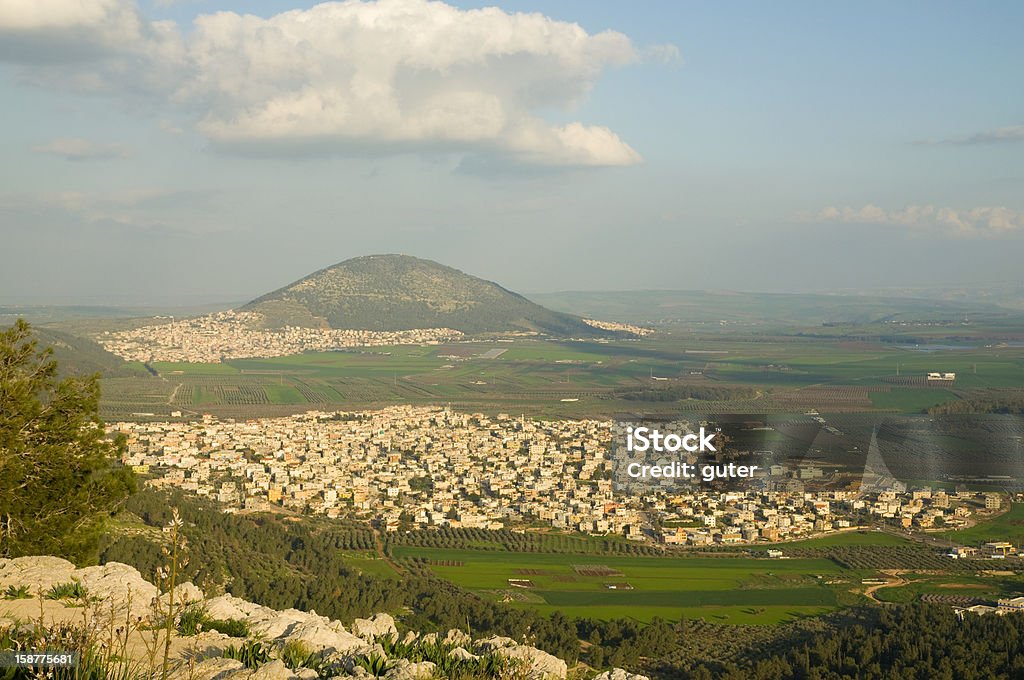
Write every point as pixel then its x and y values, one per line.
pixel 665 54
pixel 1000 135
pixel 61 30
pixel 390 75
pixel 76 149
pixel 973 222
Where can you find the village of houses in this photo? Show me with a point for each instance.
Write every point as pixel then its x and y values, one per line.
pixel 223 336
pixel 406 467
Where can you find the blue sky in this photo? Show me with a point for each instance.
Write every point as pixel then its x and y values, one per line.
pixel 751 146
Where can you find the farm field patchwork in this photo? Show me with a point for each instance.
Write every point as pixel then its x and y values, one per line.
pixel 551 378
pixel 725 589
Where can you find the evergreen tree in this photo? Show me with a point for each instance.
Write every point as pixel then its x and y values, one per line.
pixel 60 477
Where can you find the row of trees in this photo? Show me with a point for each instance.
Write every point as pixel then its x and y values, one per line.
pixel 1008 405
pixel 681 392
pixel 513 541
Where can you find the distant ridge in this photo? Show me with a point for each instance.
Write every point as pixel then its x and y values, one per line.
pixel 400 292
pixel 80 356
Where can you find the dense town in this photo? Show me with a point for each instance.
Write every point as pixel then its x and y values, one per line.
pixel 420 467
pixel 238 335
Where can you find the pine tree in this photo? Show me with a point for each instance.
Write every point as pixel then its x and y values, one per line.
pixel 60 476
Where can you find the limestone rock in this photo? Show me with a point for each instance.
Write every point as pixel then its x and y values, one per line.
pixel 38 573
pixel 217 668
pixel 184 593
pixel 457 637
pixel 230 607
pixel 539 664
pixel 403 669
pixel 496 642
pixel 325 635
pixel 273 670
pixel 460 654
pixel 378 625
pixel 619 674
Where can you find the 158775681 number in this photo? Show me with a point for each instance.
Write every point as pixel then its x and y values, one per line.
pixel 32 659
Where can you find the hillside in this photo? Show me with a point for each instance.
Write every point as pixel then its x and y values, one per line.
pixel 399 292
pixel 81 356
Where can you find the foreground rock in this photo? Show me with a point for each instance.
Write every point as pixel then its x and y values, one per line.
pixel 319 633
pixel 119 587
pixel 539 665
pixel 619 674
pixel 120 590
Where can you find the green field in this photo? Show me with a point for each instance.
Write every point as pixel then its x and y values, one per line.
pixel 723 589
pixel 846 538
pixel 561 378
pixel 1008 526
pixel 986 587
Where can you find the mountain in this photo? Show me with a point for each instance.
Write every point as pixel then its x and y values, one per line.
pixel 399 292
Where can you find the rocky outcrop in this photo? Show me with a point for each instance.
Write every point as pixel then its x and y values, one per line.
pixel 539 665
pixel 379 625
pixel 319 633
pixel 403 669
pixel 118 586
pixel 619 674
pixel 496 642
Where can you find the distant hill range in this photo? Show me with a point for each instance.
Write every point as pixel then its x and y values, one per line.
pixel 399 292
pixel 686 307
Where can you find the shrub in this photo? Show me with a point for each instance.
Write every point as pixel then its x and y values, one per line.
pixel 73 590
pixel 252 653
pixel 229 627
pixel 193 620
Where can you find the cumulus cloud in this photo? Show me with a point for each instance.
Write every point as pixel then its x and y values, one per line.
pixel 76 149
pixel 1001 135
pixel 60 30
pixel 353 76
pixel 985 221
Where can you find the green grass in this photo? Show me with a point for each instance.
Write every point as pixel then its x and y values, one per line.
pixel 846 538
pixel 167 369
pixel 910 399
pixel 534 376
pixel 984 587
pixel 1008 526
pixel 661 586
pixel 283 394
pixel 371 565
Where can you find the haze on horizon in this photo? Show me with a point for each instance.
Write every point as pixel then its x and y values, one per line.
pixel 180 151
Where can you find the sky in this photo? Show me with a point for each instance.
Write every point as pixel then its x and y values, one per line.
pixel 185 151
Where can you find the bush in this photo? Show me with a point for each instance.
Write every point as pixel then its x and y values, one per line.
pixel 230 627
pixel 193 620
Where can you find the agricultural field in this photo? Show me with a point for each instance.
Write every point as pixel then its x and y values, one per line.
pixel 1008 526
pixel 726 589
pixel 842 539
pixel 954 590
pixel 560 378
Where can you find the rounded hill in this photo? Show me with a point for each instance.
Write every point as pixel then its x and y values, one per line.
pixel 400 292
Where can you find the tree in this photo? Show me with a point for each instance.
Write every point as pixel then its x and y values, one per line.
pixel 60 476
